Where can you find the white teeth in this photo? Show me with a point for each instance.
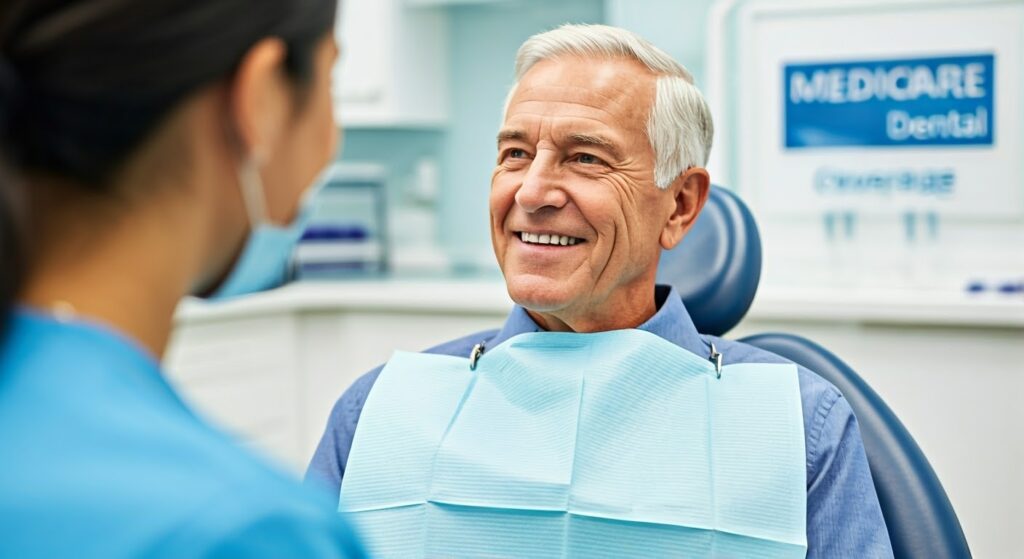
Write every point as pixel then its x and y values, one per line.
pixel 547 239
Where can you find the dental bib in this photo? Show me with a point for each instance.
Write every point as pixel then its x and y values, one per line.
pixel 614 444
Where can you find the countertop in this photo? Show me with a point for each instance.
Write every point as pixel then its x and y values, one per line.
pixel 489 297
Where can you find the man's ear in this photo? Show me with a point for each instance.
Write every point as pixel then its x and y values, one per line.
pixel 258 98
pixel 689 192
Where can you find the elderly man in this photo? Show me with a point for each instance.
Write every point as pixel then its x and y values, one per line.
pixel 617 430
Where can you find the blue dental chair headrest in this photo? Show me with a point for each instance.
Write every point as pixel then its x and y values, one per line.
pixel 717 265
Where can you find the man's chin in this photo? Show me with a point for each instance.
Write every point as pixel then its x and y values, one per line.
pixel 539 293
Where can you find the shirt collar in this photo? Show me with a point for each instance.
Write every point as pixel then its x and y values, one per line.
pixel 92 341
pixel 672 322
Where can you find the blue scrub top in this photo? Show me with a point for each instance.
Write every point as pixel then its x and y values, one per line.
pixel 100 458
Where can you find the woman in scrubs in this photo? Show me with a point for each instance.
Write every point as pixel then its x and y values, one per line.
pixel 151 149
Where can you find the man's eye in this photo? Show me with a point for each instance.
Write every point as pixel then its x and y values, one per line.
pixel 516 153
pixel 587 159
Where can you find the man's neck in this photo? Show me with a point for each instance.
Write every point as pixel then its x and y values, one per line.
pixel 626 312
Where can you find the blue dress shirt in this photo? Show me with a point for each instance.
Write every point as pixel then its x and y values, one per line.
pixel 102 459
pixel 843 515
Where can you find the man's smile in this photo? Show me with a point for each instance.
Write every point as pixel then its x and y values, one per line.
pixel 547 238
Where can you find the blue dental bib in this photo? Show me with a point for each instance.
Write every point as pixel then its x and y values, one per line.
pixel 614 444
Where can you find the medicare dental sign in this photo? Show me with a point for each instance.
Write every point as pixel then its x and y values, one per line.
pixel 936 101
pixel 917 105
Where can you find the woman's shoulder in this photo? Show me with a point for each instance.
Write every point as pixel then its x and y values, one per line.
pixel 244 507
pixel 101 449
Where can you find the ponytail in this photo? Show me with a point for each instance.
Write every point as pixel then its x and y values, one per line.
pixel 12 249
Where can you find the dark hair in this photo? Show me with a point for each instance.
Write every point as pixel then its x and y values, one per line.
pixel 12 259
pixel 83 82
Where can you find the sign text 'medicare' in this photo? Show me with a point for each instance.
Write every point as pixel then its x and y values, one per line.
pixel 938 101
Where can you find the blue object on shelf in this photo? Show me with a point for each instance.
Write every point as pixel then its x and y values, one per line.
pixel 976 287
pixel 335 233
pixel 1011 288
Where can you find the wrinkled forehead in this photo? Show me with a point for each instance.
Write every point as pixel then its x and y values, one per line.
pixel 617 91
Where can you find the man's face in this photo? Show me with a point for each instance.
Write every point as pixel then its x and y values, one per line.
pixel 575 215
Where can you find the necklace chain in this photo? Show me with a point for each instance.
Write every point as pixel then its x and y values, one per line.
pixel 63 311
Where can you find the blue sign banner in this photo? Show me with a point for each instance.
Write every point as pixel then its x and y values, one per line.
pixel 939 101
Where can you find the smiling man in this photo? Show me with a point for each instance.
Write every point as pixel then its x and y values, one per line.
pixel 592 423
pixel 575 164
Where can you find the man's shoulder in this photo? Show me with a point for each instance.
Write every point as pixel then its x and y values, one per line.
pixel 328 463
pixel 822 403
pixel 355 396
pixel 813 388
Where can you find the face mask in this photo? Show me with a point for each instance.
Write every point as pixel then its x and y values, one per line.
pixel 265 259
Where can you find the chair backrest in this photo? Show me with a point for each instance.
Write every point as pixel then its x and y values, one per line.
pixel 919 516
pixel 716 269
pixel 717 266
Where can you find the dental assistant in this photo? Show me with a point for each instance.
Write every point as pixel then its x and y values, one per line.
pixel 150 150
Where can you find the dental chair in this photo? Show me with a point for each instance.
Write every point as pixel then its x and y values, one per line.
pixel 716 269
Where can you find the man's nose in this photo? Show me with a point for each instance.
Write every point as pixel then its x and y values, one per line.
pixel 542 187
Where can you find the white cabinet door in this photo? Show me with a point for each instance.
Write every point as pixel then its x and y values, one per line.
pixel 392 71
pixel 241 374
pixel 363 32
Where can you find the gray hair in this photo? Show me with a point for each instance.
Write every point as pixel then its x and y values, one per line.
pixel 679 126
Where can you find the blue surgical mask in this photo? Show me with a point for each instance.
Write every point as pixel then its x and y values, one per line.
pixel 265 259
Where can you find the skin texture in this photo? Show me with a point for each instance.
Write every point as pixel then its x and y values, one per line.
pixel 173 220
pixel 574 159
